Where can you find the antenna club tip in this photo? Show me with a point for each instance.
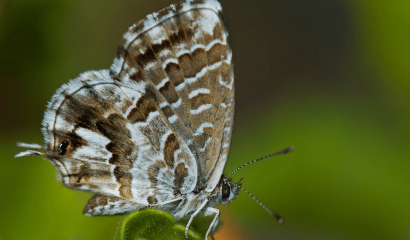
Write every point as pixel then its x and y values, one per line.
pixel 281 221
pixel 289 149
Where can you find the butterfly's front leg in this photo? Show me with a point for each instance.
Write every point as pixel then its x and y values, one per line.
pixel 214 223
pixel 193 215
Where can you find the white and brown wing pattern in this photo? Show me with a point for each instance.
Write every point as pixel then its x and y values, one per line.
pixel 183 51
pixel 108 138
pixel 155 129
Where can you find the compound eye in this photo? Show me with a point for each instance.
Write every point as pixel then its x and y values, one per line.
pixel 226 191
pixel 62 149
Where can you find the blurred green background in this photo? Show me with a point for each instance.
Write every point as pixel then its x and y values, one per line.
pixel 331 78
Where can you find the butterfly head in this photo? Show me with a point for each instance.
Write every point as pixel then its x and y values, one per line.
pixel 226 190
pixel 229 190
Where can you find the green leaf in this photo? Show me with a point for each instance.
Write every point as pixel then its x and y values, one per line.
pixel 152 224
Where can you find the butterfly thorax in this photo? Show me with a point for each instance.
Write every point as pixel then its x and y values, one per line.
pixel 224 193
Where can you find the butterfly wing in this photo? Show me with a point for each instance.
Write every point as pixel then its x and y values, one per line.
pixel 159 124
pixel 113 140
pixel 183 50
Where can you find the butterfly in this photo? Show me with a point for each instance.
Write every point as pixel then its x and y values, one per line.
pixel 155 129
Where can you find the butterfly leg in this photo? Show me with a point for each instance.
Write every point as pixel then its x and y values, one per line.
pixel 214 223
pixel 193 215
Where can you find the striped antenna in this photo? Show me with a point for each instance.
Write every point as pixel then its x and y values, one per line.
pixel 277 216
pixel 287 150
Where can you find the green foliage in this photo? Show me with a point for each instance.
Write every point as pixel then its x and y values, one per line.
pixel 152 224
pixel 348 177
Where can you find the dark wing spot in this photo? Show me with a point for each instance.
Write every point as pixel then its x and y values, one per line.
pixel 214 54
pixel 177 37
pixel 122 175
pixel 153 172
pixel 169 93
pixel 152 200
pixel 62 149
pixel 180 173
pixel 199 100
pixel 200 58
pixel 137 76
pixel 173 71
pixel 69 142
pixel 171 145
pixel 166 87
pixel 142 109
pixel 144 58
pixel 165 44
pixel 167 110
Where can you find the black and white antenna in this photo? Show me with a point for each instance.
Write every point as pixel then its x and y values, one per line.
pixel 277 216
pixel 287 150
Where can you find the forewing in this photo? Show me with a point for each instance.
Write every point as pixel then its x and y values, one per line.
pixel 108 138
pixel 183 50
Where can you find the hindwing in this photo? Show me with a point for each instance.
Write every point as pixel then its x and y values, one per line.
pixel 108 138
